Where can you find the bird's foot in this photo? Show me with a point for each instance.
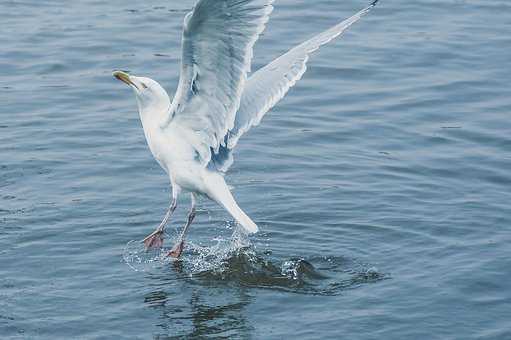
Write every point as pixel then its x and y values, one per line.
pixel 176 251
pixel 154 240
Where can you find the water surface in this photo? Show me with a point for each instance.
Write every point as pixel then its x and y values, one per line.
pixel 381 183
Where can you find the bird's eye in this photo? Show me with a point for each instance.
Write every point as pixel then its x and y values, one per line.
pixel 144 85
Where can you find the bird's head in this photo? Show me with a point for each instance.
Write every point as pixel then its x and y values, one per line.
pixel 151 96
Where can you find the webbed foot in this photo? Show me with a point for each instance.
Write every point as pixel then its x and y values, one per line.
pixel 155 239
pixel 176 251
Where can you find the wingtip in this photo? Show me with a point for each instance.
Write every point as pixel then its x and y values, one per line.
pixel 374 3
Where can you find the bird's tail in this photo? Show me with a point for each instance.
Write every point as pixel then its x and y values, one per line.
pixel 219 191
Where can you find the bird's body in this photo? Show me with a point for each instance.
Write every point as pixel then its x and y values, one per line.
pixel 171 148
pixel 192 136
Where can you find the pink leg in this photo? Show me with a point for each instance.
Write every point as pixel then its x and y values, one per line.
pixel 155 239
pixel 176 251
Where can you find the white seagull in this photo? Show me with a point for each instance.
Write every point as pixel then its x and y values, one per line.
pixel 216 101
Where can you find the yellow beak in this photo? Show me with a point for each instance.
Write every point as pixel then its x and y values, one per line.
pixel 123 76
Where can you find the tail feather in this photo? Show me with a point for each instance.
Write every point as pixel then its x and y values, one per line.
pixel 241 217
pixel 219 191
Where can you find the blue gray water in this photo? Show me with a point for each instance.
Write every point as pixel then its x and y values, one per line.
pixel 381 183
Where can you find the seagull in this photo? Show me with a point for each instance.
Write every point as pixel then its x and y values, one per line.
pixel 217 100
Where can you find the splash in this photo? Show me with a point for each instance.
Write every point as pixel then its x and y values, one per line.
pixel 235 261
pixel 197 258
pixel 318 275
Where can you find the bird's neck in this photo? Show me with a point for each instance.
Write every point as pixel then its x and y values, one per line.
pixel 152 118
pixel 154 115
pixel 153 133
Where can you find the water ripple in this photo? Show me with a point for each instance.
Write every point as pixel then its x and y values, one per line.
pixel 234 262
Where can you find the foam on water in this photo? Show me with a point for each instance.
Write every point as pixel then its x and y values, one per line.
pixel 195 259
pixel 236 261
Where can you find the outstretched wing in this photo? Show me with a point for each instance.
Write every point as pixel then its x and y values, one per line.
pixel 218 38
pixel 271 83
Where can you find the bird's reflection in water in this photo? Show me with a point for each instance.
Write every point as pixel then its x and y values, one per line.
pixel 224 319
pixel 214 301
pixel 193 309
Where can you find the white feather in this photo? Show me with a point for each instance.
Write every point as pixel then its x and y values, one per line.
pixel 218 39
pixel 270 84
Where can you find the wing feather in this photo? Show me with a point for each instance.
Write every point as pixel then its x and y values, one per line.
pixel 270 84
pixel 217 43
